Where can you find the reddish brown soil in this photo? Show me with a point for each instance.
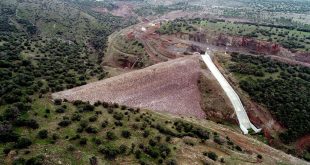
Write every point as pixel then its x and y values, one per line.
pixel 302 144
pixel 123 10
pixel 167 87
pixel 100 10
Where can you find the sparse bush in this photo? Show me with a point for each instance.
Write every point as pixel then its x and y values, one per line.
pixel 23 143
pixel 111 135
pixel 91 129
pixel 118 123
pixel 172 162
pixel 152 142
pixel 97 103
pixel 6 150
pixel 146 133
pixel 19 161
pixel 238 148
pixel 93 118
pixel 55 136
pixel 259 156
pixel 122 149
pixel 104 124
pixel 126 134
pixel 64 123
pixel 123 107
pixel 211 155
pixel 109 151
pixel 86 107
pixel 97 141
pixel 151 152
pixel 43 134
pixel 84 123
pixel 118 116
pixel 47 111
pixel 57 101
pixel 218 140
pixel 83 141
pixel 138 154
pixel 60 110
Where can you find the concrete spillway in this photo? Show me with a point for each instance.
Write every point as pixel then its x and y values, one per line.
pixel 244 121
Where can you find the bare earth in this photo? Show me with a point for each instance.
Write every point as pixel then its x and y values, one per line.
pixel 166 87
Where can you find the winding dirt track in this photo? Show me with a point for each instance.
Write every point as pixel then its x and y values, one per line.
pixel 167 87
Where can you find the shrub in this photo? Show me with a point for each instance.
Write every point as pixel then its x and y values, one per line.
pixel 211 155
pixel 115 105
pixel 168 139
pixel 259 156
pixel 93 160
pixel 76 117
pixel 6 150
pixel 19 161
pixel 55 136
pixel 97 103
pixel 111 135
pixel 93 118
pixel 164 150
pixel 138 154
pixel 126 134
pixel 122 149
pixel 105 104
pixel 91 129
pixel 118 123
pixel 153 153
pixel 118 116
pixel 97 141
pixel 146 133
pixel 23 143
pixel 238 148
pixel 83 141
pixel 87 107
pixel 109 151
pixel 218 140
pixel 60 110
pixel 77 102
pixel 104 124
pixel 152 142
pixel 57 101
pixel 43 134
pixel 79 130
pixel 110 110
pixel 84 123
pixel 64 123
pixel 123 107
pixel 71 148
pixel 38 160
pixel 171 162
pixel 47 111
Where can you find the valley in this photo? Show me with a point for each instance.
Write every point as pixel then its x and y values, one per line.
pixel 126 82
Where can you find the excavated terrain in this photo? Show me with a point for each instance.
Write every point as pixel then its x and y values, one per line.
pixel 166 87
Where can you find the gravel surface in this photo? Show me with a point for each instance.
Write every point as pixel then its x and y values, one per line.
pixel 166 87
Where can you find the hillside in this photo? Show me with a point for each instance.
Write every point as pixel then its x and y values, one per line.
pixel 120 82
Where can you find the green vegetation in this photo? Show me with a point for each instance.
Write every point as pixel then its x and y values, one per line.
pixel 284 12
pixel 282 88
pixel 133 48
pixel 289 37
pixel 150 142
pixel 178 25
pixel 211 155
pixel 148 9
